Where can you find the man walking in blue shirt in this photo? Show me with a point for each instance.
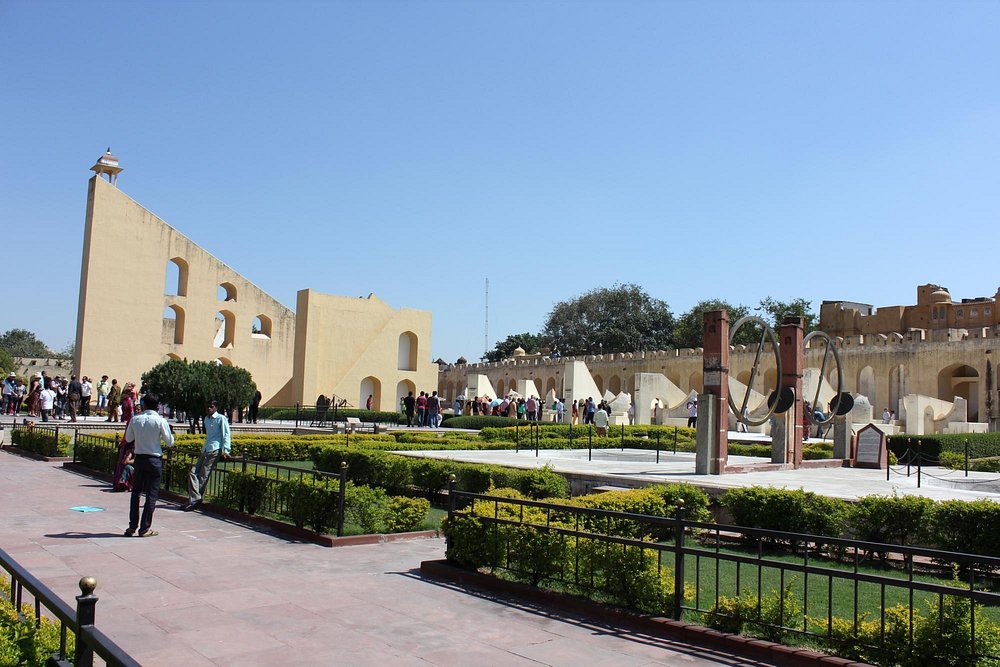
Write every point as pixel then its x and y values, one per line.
pixel 217 444
pixel 148 431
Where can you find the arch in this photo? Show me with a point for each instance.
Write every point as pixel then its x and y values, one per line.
pixel 695 382
pixel 226 292
pixel 866 384
pixel 224 361
pixel 403 388
pixel 173 325
pixel 261 327
pixel 176 283
pixel 225 330
pixel 499 389
pixel 550 385
pixel 537 384
pixel 599 381
pixel 770 380
pixel 962 381
pixel 407 351
pixel 615 385
pixel 371 385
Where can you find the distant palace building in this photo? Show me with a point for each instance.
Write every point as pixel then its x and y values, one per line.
pixel 935 310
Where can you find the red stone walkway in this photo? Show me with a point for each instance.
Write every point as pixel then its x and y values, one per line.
pixel 210 592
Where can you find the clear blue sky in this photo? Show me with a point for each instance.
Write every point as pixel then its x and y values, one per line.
pixel 825 150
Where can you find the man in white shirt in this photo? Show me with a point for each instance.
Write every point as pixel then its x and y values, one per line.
pixel 148 431
pixel 86 390
pixel 46 400
pixel 601 421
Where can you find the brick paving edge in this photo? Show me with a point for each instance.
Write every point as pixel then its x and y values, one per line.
pixel 689 633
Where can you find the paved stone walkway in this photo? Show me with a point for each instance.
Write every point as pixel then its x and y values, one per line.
pixel 211 592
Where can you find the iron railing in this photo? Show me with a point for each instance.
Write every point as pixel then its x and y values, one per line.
pixel 79 621
pixel 830 580
pixel 263 498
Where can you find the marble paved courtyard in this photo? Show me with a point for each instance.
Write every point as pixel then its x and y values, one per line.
pixel 211 592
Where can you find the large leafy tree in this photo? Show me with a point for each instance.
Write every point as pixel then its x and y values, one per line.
pixel 504 349
pixel 6 363
pixel 23 343
pixel 777 311
pixel 690 329
pixel 189 386
pixel 622 318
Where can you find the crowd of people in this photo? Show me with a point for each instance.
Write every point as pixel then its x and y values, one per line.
pixel 60 398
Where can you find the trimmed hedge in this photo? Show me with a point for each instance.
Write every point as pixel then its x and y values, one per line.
pixel 27 640
pixel 932 446
pixel 794 511
pixel 41 442
pixel 401 474
pixel 477 421
pixel 308 413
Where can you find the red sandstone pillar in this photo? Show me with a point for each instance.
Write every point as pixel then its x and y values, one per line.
pixel 792 332
pixel 715 368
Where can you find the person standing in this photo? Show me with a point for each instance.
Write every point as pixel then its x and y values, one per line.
pixel 590 410
pixel 114 400
pixel 8 394
pixel 600 421
pixel 103 389
pixel 422 410
pixel 408 405
pixel 86 391
pixel 433 410
pixel 254 406
pixel 368 403
pixel 217 444
pixel 75 396
pixel 692 414
pixel 150 432
pixel 46 401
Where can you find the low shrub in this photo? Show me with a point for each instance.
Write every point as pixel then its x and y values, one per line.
pixel 932 446
pixel 478 421
pixel 27 640
pixel 964 526
pixel 42 442
pixel 888 519
pixel 788 510
pixel 406 514
pixel 765 617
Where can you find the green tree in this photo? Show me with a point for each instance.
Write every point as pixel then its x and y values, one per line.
pixel 690 329
pixel 23 343
pixel 777 311
pixel 531 343
pixel 622 318
pixel 6 363
pixel 189 386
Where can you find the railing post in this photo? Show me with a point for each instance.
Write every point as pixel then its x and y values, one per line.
pixel 657 446
pixel 243 485
pixel 517 437
pixel 623 437
pixel 86 612
pixel 55 445
pixel 169 475
pixel 538 439
pixel 909 455
pixel 679 560
pixel 451 494
pixel 297 409
pixel 341 500
pixel 76 439
pixel 920 456
pixel 966 457
pixel 590 442
pixel 675 440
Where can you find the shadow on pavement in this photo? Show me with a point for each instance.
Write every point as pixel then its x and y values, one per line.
pixel 81 536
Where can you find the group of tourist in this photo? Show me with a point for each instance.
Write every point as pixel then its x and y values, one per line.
pixel 60 398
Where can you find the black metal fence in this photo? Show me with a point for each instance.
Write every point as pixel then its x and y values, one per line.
pixel 254 487
pixel 798 588
pixel 79 621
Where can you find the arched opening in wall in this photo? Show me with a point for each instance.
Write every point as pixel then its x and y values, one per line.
pixel 261 327
pixel 550 386
pixel 225 329
pixel 599 381
pixel 499 389
pixel 370 386
pixel 770 380
pixel 402 389
pixel 899 386
pixel 173 325
pixel 866 384
pixel 407 351
pixel 962 381
pixel 224 361
pixel 694 383
pixel 177 277
pixel 743 377
pixel 226 292
pixel 615 385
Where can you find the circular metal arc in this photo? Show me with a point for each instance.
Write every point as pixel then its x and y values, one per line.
pixel 767 333
pixel 811 414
